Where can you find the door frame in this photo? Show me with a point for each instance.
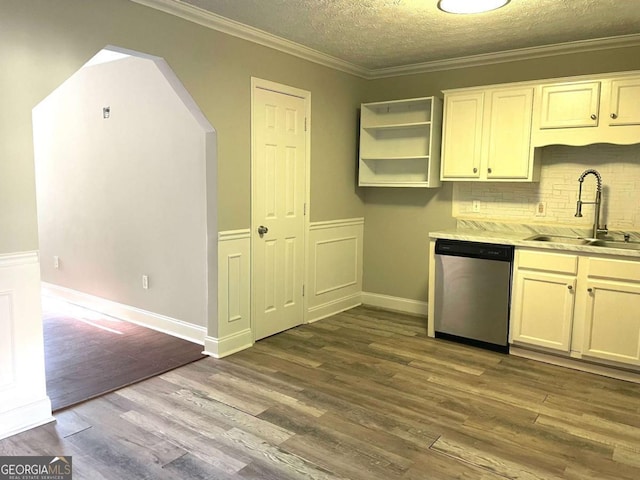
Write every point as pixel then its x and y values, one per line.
pixel 259 83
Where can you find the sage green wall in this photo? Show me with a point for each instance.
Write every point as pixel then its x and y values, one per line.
pixel 397 221
pixel 42 43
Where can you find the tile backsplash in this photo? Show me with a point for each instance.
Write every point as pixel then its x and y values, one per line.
pixel 558 189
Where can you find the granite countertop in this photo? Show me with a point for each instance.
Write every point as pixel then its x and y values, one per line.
pixel 517 235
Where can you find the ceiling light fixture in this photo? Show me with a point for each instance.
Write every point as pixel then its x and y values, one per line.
pixel 470 6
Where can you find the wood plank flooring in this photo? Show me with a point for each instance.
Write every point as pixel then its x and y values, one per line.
pixel 361 395
pixel 88 354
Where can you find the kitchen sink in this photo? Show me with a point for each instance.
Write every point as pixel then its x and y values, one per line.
pixel 615 244
pixel 592 242
pixel 561 239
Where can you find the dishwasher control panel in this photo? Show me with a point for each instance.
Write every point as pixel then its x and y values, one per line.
pixel 474 250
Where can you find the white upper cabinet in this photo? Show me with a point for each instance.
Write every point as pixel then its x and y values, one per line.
pixel 605 110
pixel 624 107
pixel 508 144
pixel 400 143
pixel 487 134
pixel 569 105
pixel 462 135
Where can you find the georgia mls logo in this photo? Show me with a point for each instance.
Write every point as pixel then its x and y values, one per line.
pixel 36 468
pixel 60 466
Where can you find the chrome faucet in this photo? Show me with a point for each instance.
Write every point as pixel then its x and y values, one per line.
pixel 597 229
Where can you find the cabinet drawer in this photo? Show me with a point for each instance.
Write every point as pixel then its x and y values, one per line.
pixel 628 270
pixel 551 262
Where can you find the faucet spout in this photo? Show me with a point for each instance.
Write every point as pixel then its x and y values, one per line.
pixel 597 203
pixel 591 171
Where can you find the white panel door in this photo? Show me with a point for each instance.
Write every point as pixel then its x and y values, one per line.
pixel 278 211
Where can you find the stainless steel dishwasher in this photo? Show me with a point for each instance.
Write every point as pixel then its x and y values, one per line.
pixel 473 293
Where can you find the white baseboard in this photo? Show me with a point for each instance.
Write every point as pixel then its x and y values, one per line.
pixel 332 308
pixel 13 421
pixel 155 321
pixel 223 347
pixel 398 304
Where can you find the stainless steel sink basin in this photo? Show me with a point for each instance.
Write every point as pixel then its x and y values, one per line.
pixel 560 239
pixel 615 244
pixel 592 242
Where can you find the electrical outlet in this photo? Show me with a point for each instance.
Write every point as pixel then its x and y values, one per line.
pixel 145 282
pixel 476 206
pixel 541 209
pixel 56 262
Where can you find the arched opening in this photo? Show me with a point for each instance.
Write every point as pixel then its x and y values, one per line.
pixel 126 195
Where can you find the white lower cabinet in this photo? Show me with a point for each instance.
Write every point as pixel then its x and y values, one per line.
pixel 612 314
pixel 582 305
pixel 543 299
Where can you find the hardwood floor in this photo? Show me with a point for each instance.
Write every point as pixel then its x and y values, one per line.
pixel 361 395
pixel 88 354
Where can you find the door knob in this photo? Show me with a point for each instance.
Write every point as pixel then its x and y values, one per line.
pixel 262 230
pixel 614 116
pixel 593 116
pixel 570 287
pixel 590 290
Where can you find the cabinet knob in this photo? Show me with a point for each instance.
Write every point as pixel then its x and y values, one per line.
pixel 475 170
pixel 590 290
pixel 593 116
pixel 488 170
pixel 570 287
pixel 614 116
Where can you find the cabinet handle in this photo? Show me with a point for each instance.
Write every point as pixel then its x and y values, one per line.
pixel 593 116
pixel 590 290
pixel 488 170
pixel 475 170
pixel 570 287
pixel 614 116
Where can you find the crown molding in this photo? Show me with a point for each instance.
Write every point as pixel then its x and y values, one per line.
pixel 237 29
pixel 509 56
pixel 231 27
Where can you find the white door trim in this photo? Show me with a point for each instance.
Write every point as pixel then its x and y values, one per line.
pixel 258 83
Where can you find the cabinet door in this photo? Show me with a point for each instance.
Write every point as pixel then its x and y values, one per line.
pixel 509 135
pixel 625 102
pixel 542 309
pixel 612 323
pixel 462 135
pixel 569 105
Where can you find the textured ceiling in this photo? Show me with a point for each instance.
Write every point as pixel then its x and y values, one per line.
pixel 376 34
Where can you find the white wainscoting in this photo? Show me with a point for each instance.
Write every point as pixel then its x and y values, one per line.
pixel 24 403
pixel 155 321
pixel 234 295
pixel 334 273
